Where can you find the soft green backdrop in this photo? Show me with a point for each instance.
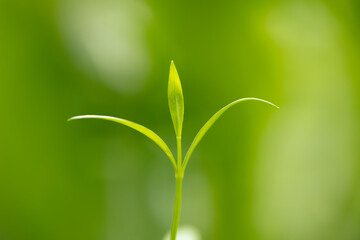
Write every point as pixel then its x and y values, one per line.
pixel 259 174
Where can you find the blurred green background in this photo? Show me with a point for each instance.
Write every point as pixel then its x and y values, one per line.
pixel 260 173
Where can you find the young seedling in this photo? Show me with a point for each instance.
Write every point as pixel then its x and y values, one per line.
pixel 176 105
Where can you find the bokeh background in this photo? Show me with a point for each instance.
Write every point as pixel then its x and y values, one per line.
pixel 260 173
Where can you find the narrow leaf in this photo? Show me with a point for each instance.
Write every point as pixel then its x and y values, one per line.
pixel 147 132
pixel 211 121
pixel 176 99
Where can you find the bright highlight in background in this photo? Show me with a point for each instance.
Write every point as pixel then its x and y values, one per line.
pixel 186 233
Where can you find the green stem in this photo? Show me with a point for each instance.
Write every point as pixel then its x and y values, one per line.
pixel 179 160
pixel 177 207
pixel 179 175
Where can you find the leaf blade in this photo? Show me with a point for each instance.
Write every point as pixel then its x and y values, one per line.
pixel 211 121
pixel 147 132
pixel 175 99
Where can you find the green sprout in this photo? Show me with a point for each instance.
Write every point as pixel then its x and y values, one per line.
pixel 176 105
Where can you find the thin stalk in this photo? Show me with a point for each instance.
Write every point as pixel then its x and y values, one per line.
pixel 179 160
pixel 179 175
pixel 177 208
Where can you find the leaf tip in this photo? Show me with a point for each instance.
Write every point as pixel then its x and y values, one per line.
pixel 262 100
pixel 275 106
pixel 74 118
pixel 172 67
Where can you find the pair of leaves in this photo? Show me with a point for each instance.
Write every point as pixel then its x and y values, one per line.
pixel 176 105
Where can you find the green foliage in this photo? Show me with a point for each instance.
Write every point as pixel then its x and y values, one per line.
pixel 147 132
pixel 176 99
pixel 176 106
pixel 211 122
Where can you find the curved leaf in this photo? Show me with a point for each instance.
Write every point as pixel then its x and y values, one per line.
pixel 147 132
pixel 211 121
pixel 175 99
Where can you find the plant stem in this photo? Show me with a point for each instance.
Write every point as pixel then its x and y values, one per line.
pixel 179 158
pixel 179 175
pixel 177 208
